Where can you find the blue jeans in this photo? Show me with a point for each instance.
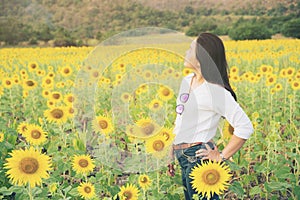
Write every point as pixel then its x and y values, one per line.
pixel 187 160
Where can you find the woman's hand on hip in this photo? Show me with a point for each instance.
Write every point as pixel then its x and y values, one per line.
pixel 209 153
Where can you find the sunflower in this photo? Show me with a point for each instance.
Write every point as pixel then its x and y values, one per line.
pixel 7 83
pixel 55 96
pixel 167 133
pixel 71 111
pixel 283 73
pixel 144 181
pixel 263 69
pixel 129 192
pixel 82 164
pixel 66 71
pixel 227 131
pixel 103 124
pixel 147 75
pixel 165 93
pixel 210 177
pixel 22 127
pixel 126 97
pixel 47 82
pixel 155 105
pixel 290 71
pixel 86 190
pixel 143 88
pixel 157 146
pixel 69 99
pixel 27 166
pixel 52 188
pixel 271 79
pixel 255 115
pixel 234 70
pixel 176 75
pixel 40 72
pixel 94 74
pixel 50 103
pixel 295 85
pixel 25 94
pixel 33 66
pixel 186 71
pixel 1 137
pixel 278 87
pixel 29 84
pixel 35 135
pixel 145 127
pixel 56 114
pixel 45 93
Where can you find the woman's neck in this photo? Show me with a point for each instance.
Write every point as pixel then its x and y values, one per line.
pixel 198 77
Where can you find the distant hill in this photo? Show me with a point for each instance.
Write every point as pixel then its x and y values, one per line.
pixel 99 19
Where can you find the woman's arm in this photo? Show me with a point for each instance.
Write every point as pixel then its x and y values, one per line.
pixel 231 148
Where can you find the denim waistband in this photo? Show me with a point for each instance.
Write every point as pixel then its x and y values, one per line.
pixel 189 153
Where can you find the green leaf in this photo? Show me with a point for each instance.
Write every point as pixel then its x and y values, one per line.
pixel 36 191
pixel 276 186
pixel 255 190
pixel 67 189
pixel 297 191
pixel 282 172
pixel 74 192
pixel 5 191
pixel 237 188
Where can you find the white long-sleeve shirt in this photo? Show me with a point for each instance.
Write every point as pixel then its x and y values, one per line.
pixel 203 110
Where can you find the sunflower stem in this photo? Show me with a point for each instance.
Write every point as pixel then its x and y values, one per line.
pixel 29 192
pixel 157 177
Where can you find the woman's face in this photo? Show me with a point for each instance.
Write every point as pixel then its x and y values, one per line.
pixel 190 60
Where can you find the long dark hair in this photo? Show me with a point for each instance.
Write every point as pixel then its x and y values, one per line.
pixel 210 52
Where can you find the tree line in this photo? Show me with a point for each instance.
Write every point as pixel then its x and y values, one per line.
pixel 261 25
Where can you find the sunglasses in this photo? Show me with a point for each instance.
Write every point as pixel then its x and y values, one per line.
pixel 183 99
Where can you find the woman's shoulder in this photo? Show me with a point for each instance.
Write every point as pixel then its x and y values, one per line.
pixel 217 89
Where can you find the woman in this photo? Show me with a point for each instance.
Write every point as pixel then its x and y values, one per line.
pixel 204 97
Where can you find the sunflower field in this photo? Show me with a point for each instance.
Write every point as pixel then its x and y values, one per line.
pixel 71 131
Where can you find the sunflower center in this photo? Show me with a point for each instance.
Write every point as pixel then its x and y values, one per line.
pixel 211 177
pixel 87 189
pixel 103 124
pixel 48 81
pixel 30 83
pixel 66 71
pixel 57 113
pixel 148 129
pixel 158 145
pixel 56 96
pixel 166 92
pixel 126 96
pixel 83 163
pixel 95 74
pixel 71 110
pixel 128 195
pixel 35 134
pixel 144 180
pixel 24 128
pixel 166 135
pixel 8 82
pixel 155 105
pixel 70 99
pixel 296 84
pixel 29 165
